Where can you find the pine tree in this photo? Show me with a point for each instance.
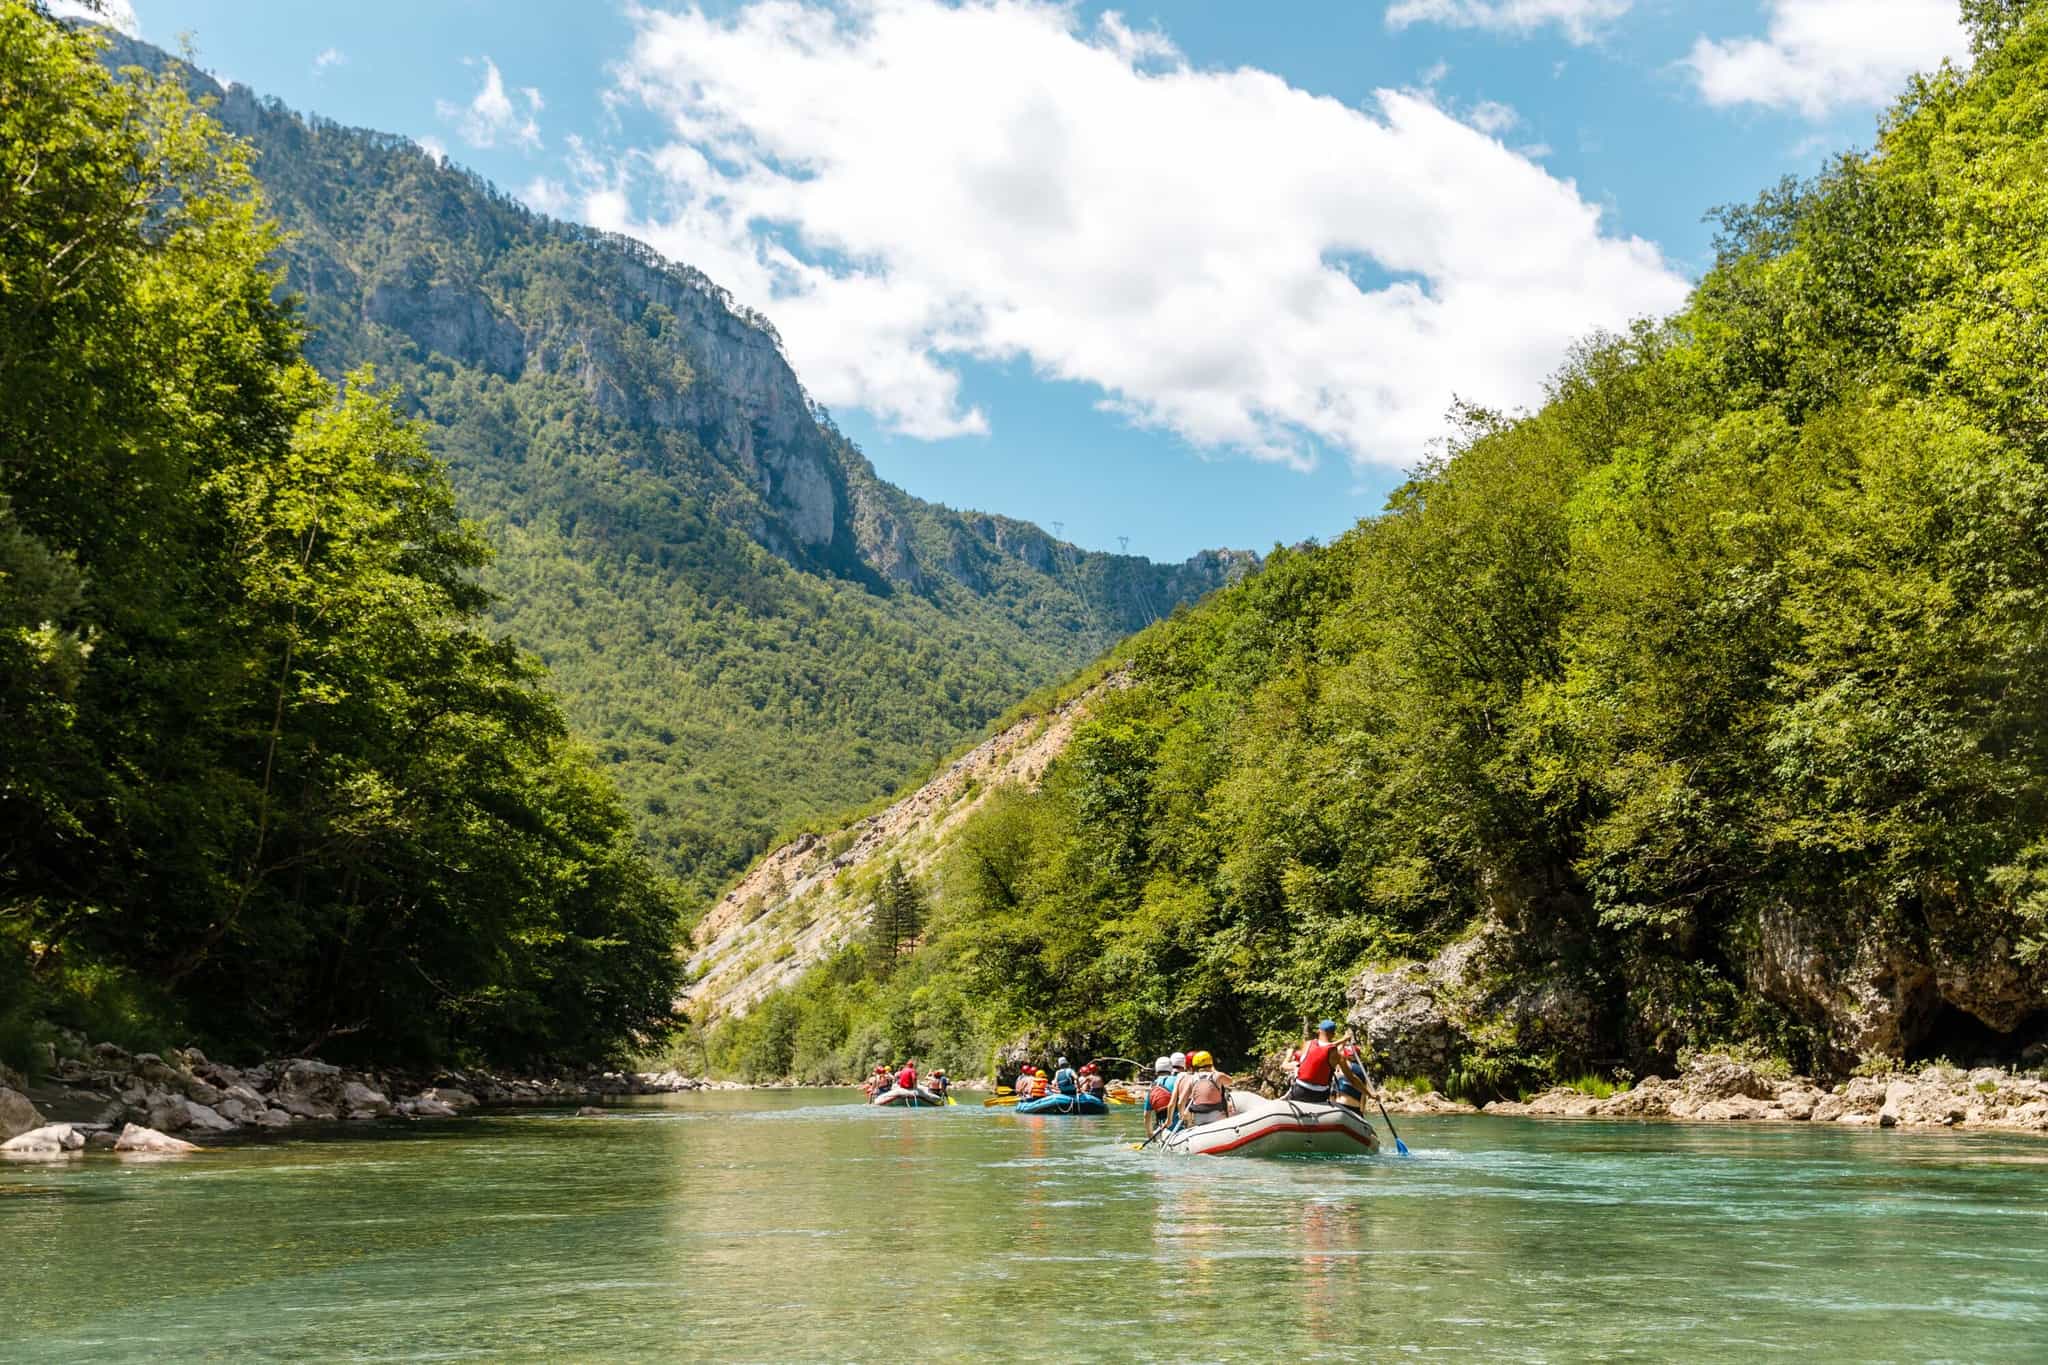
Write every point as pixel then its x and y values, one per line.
pixel 897 917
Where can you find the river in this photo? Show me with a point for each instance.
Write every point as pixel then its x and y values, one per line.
pixel 775 1225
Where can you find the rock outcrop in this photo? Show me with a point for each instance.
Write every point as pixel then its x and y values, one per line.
pixel 1420 1018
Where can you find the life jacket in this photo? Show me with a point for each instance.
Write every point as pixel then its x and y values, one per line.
pixel 1038 1087
pixel 1064 1081
pixel 1206 1092
pixel 1159 1097
pixel 907 1078
pixel 1318 1064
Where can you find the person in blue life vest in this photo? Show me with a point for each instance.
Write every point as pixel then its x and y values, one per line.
pixel 937 1082
pixel 1065 1081
pixel 1351 1087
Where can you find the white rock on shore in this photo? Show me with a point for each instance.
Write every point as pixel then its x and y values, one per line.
pixel 149 1140
pixel 55 1139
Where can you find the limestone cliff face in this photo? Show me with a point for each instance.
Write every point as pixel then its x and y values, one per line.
pixel 456 275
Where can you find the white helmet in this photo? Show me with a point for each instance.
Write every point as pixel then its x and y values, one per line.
pixel 1063 1061
pixel 1162 1066
pixel 1179 1061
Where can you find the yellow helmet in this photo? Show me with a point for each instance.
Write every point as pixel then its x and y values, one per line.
pixel 1201 1059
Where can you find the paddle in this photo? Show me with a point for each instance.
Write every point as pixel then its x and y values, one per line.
pixel 1399 1145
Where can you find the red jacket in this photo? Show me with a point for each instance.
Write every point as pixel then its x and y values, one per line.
pixel 907 1078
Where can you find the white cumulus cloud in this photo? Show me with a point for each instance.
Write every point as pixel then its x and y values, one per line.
pixel 332 56
pixel 1580 20
pixel 493 116
pixel 1820 55
pixel 116 14
pixel 904 184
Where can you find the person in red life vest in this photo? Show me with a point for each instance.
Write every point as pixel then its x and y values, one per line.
pixel 1092 1082
pixel 878 1082
pixel 1318 1066
pixel 907 1078
pixel 938 1084
pixel 1159 1099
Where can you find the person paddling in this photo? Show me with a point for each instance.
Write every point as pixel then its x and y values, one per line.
pixel 1064 1080
pixel 1351 1086
pixel 1318 1066
pixel 1203 1094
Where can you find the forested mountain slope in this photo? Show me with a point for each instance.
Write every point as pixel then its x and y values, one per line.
pixel 749 625
pixel 1707 705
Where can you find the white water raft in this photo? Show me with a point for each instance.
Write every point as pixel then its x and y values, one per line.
pixel 1261 1127
pixel 918 1098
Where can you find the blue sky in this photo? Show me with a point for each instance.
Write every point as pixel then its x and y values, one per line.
pixel 1193 272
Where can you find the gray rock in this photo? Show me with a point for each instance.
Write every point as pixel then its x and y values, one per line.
pixel 426 1107
pixel 1394 1012
pixel 590 1111
pixel 17 1115
pixel 138 1139
pixel 359 1101
pixel 205 1119
pixel 1868 993
pixel 273 1118
pixel 166 1112
pixel 48 1140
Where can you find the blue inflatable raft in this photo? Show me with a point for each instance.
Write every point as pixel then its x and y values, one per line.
pixel 1057 1103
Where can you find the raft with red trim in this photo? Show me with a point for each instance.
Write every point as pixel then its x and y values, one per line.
pixel 1261 1127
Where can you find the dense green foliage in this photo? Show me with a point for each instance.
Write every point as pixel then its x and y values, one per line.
pixel 751 629
pixel 262 767
pixel 1740 637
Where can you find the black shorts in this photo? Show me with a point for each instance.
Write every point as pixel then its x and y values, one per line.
pixel 1307 1095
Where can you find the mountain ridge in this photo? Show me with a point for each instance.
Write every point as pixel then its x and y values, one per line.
pixel 720 581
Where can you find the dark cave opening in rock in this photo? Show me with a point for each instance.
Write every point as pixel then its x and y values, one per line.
pixel 1961 1037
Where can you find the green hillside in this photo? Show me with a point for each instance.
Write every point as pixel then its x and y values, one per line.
pixel 1706 705
pixel 749 626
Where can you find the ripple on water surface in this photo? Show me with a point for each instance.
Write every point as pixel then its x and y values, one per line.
pixel 779 1224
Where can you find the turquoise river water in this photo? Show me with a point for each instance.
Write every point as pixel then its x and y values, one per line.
pixel 780 1225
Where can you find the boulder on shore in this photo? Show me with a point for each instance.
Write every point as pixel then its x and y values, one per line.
pixel 17 1115
pixel 136 1139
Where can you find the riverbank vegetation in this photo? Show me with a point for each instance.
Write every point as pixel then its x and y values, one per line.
pixel 1688 697
pixel 266 780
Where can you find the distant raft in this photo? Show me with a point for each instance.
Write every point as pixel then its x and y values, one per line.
pixel 1261 1127
pixel 917 1097
pixel 1064 1105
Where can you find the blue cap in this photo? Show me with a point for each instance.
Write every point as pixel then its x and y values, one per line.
pixel 1327 1026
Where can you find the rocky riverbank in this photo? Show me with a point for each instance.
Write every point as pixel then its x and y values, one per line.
pixel 1718 1087
pixel 105 1096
